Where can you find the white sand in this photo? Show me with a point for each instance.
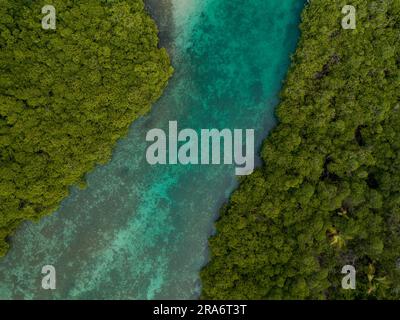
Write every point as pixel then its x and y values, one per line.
pixel 186 13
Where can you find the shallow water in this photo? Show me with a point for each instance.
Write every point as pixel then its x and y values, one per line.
pixel 140 231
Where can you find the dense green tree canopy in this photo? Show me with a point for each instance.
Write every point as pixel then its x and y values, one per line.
pixel 67 95
pixel 329 192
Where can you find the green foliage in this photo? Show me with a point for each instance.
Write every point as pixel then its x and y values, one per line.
pixel 329 192
pixel 67 95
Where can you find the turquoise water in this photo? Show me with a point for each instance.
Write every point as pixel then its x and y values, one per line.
pixel 140 232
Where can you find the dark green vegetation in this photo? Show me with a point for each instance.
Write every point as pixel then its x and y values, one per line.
pixel 329 192
pixel 67 95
